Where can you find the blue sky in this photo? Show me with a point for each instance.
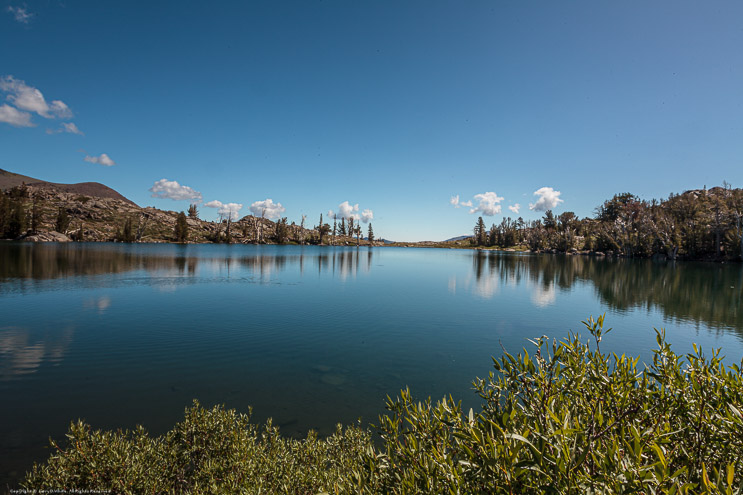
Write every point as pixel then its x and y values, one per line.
pixel 397 107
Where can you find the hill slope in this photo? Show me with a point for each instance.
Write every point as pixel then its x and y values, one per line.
pixel 93 189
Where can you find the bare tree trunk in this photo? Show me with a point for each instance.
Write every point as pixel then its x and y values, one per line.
pixel 263 213
pixel 141 226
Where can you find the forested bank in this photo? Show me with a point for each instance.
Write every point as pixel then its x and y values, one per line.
pixel 698 224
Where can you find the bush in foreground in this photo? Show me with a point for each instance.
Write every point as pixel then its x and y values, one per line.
pixel 564 419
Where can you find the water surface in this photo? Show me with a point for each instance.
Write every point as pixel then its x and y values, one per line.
pixel 129 334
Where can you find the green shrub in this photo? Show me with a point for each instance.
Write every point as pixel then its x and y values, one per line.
pixel 210 451
pixel 564 419
pixel 569 419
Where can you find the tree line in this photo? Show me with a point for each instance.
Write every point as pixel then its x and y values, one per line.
pixel 698 224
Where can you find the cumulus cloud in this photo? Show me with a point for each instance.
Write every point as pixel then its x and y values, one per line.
pixel 103 159
pixel 227 210
pixel 488 204
pixel 15 117
pixel 548 199
pixel 170 189
pixel 454 201
pixel 69 127
pixel 20 14
pixel 515 208
pixel 267 208
pixel 346 210
pixel 28 98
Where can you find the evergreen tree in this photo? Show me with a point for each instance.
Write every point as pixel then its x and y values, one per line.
pixel 17 223
pixel 126 234
pixel 323 229
pixel 193 212
pixel 480 233
pixel 63 221
pixel 4 214
pixel 35 216
pixel 282 231
pixel 228 232
pixel 181 227
pixel 351 230
pixel 370 234
pixel 343 227
pixel 493 237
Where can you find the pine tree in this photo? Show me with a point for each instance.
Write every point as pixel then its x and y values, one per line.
pixel 126 234
pixel 282 231
pixel 17 223
pixel 323 229
pixel 4 214
pixel 228 233
pixel 343 227
pixel 63 221
pixel 370 234
pixel 35 216
pixel 181 227
pixel 193 212
pixel 480 233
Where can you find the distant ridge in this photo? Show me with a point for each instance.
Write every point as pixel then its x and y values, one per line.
pixel 459 238
pixel 94 189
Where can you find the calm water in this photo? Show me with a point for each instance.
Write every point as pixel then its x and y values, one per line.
pixel 129 334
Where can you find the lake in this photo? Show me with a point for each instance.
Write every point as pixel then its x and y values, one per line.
pixel 122 335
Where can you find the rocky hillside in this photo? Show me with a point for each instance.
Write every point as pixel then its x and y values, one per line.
pixel 94 189
pixel 98 213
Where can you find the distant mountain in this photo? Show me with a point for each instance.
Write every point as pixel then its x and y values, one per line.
pixel 460 238
pixel 92 189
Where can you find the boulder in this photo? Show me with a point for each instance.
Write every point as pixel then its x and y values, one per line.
pixel 46 237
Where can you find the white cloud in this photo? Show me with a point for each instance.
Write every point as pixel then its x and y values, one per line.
pixel 488 204
pixel 170 189
pixel 227 210
pixel 548 199
pixel 20 14
pixel 66 127
pixel 515 208
pixel 267 208
pixel 103 159
pixel 28 98
pixel 454 201
pixel 61 110
pixel 346 210
pixel 15 117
